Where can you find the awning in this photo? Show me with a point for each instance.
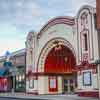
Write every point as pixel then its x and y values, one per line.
pixel 2 71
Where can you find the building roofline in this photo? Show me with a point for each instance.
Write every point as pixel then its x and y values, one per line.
pixel 18 52
pixel 21 51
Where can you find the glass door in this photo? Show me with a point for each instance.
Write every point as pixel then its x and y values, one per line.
pixel 65 86
pixel 69 86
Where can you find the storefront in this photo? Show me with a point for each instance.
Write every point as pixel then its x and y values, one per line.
pixel 20 80
pixel 5 81
pixel 12 72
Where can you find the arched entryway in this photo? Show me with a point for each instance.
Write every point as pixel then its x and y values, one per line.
pixel 58 59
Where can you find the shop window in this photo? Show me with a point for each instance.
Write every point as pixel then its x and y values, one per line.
pixel 20 78
pixel 87 80
pixel 31 83
pixel 95 21
pixel 31 54
pixel 85 42
pixel 52 84
pixel 3 84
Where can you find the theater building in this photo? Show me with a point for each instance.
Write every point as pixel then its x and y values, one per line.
pixel 61 57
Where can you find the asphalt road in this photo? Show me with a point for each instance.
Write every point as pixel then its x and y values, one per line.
pixel 18 99
pixel 46 97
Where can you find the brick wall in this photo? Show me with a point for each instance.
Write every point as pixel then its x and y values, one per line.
pixel 98 13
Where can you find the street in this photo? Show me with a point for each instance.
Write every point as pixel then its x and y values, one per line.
pixel 23 96
pixel 3 98
pixel 47 98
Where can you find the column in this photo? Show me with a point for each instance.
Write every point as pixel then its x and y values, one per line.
pixel 99 78
pixel 69 86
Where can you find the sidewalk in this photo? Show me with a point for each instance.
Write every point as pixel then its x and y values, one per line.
pixel 44 97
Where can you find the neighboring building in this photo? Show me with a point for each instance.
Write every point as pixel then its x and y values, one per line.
pixel 18 60
pixel 5 78
pixel 61 57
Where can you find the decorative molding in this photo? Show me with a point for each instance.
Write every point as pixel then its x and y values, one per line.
pixel 59 20
pixel 85 17
pixel 48 46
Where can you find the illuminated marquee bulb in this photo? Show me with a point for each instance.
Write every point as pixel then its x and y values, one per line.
pixel 58 47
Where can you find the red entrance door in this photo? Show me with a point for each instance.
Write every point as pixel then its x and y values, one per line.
pixel 59 60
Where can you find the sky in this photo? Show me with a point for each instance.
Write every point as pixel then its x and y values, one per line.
pixel 18 17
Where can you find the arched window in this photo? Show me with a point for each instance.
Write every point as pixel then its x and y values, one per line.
pixel 31 54
pixel 85 42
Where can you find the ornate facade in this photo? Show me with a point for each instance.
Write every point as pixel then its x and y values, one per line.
pixel 61 57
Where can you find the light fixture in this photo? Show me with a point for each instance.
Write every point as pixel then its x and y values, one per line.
pixel 20 78
pixel 66 59
pixel 23 76
pixel 17 78
pixel 57 45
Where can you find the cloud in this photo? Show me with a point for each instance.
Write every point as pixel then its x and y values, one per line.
pixel 57 8
pixel 5 28
pixel 18 17
pixel 27 15
pixel 20 11
pixel 11 45
pixel 76 4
